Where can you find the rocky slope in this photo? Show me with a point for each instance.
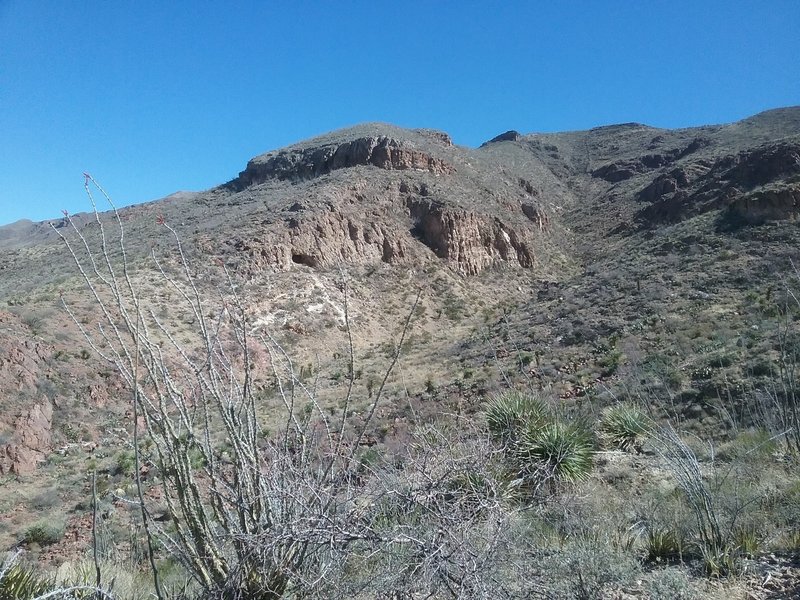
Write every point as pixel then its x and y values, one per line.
pixel 623 262
pixel 570 261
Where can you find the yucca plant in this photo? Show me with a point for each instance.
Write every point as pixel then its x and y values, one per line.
pixel 624 426
pixel 20 583
pixel 664 543
pixel 555 451
pixel 510 413
pixel 721 561
pixel 747 541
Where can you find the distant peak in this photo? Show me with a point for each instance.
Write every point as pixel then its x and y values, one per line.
pixel 788 115
pixel 621 127
pixel 363 145
pixel 509 136
pixel 336 137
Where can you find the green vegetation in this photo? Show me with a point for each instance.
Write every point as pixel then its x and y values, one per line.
pixel 554 450
pixel 23 583
pixel 538 446
pixel 44 533
pixel 625 426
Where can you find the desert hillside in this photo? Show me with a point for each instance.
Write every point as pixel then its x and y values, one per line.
pixel 427 306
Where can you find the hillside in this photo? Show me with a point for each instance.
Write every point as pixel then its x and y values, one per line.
pixel 623 263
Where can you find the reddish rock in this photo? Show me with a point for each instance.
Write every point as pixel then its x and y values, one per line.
pixel 31 441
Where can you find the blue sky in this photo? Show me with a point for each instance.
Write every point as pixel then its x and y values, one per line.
pixel 156 97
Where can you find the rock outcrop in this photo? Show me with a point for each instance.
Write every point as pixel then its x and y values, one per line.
pixel 778 203
pixel 625 169
pixel 23 369
pixel 753 186
pixel 405 223
pixel 31 440
pixel 306 163
pixel 324 240
pixel 508 136
pixel 469 241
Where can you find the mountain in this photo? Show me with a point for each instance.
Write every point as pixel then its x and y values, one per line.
pixel 620 262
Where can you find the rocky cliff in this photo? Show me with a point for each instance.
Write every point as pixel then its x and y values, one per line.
pixel 307 163
pixel 406 198
pixel 25 427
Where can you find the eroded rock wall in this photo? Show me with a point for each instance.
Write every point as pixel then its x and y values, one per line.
pixel 299 164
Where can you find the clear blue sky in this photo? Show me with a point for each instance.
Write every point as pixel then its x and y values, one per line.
pixel 155 97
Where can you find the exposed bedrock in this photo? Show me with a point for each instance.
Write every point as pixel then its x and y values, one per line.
pixel 306 163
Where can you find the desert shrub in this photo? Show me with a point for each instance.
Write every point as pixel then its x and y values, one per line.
pixel 720 560
pixel 510 413
pixel 554 450
pixel 46 499
pixel 726 519
pixel 585 569
pixel 125 463
pixel 610 362
pixel 44 533
pixel 754 444
pixel 747 540
pixel 664 544
pixel 788 542
pixel 671 583
pixel 624 426
pixel 537 445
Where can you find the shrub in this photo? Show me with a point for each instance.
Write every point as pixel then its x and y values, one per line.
pixel 663 543
pixel 586 569
pixel 555 450
pixel 126 463
pixel 44 533
pixel 624 426
pixel 538 446
pixel 669 584
pixel 508 414
pixel 747 540
pixel 721 560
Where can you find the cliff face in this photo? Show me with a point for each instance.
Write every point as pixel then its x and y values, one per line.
pixel 31 441
pixel 470 241
pixel 380 198
pixel 22 369
pixel 306 163
pixel 402 228
pixel 753 186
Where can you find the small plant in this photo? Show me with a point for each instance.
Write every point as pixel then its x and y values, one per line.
pixel 44 533
pixel 664 544
pixel 789 542
pixel 430 386
pixel 747 541
pixel 20 583
pixel 126 462
pixel 555 450
pixel 720 561
pixel 610 362
pixel 758 443
pixel 625 426
pixel 508 414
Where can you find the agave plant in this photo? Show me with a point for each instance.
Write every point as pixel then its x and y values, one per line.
pixel 625 426
pixel 555 451
pixel 512 412
pixel 20 583
pixel 664 543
